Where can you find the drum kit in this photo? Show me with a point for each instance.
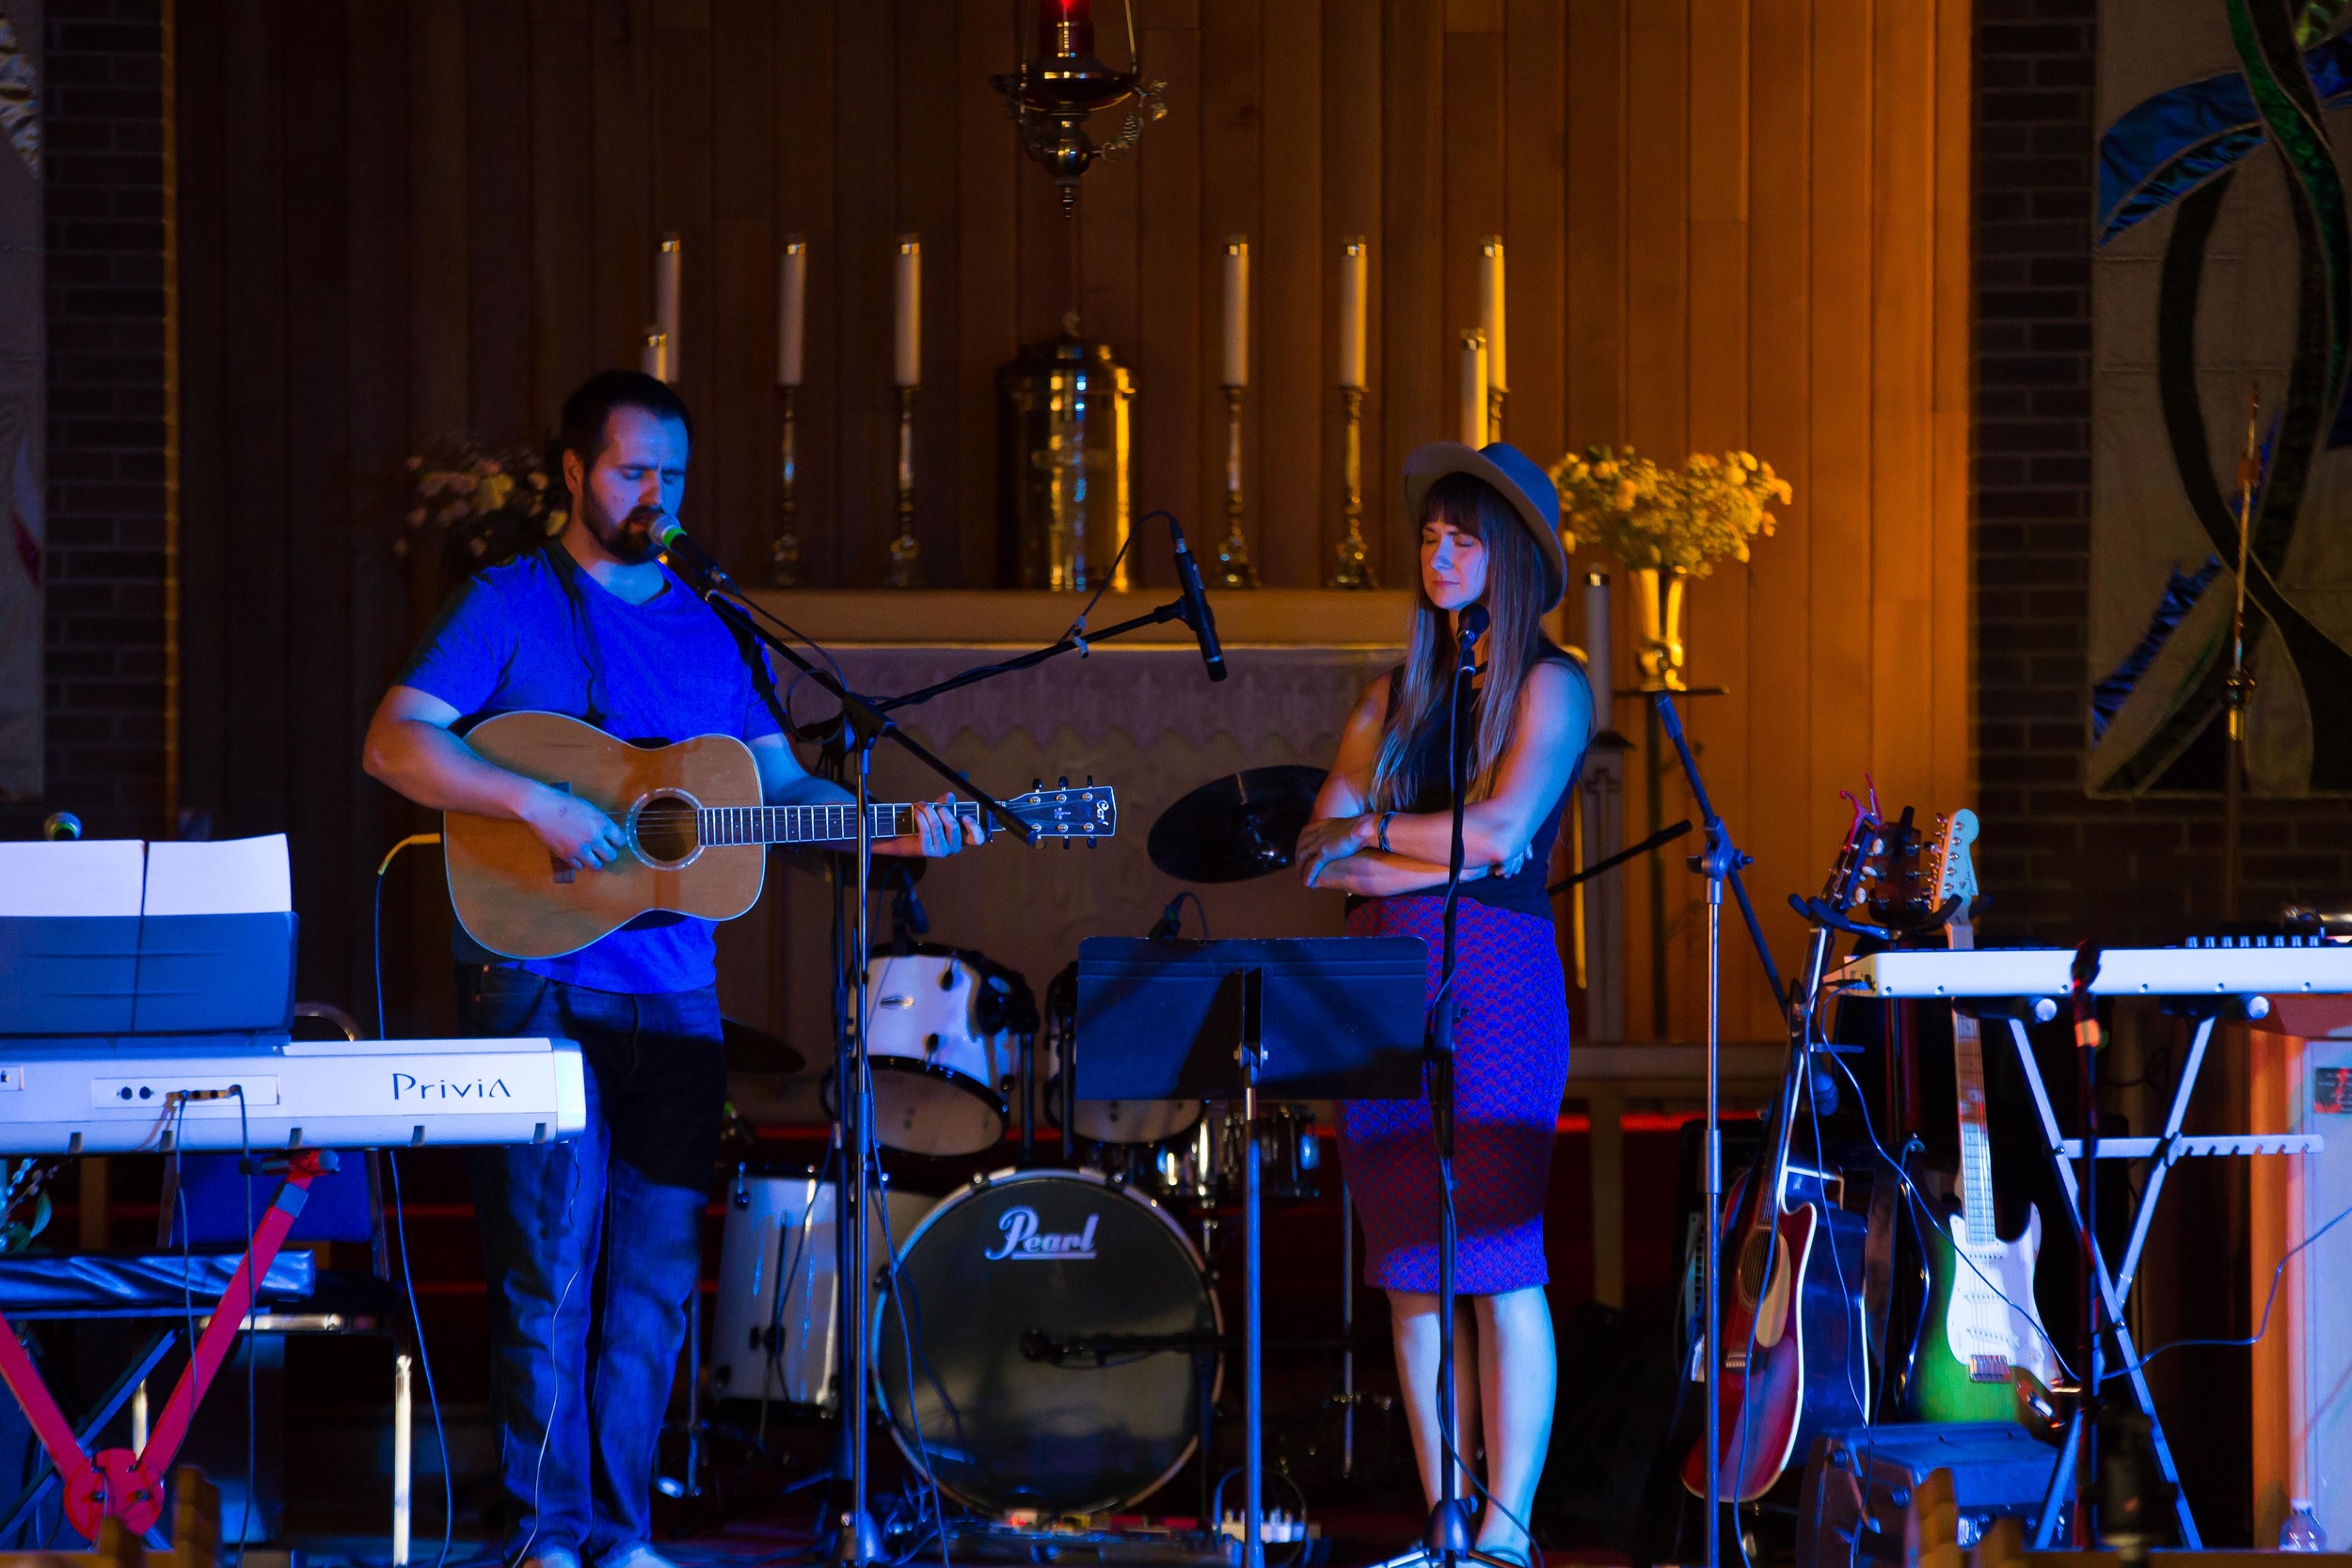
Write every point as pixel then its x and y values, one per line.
pixel 1054 1389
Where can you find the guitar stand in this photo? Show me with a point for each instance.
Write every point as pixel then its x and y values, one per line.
pixel 2115 1286
pixel 115 1483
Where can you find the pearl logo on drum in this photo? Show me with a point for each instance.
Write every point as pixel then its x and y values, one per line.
pixel 1026 1242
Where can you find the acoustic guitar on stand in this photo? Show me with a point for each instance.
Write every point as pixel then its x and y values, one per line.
pixel 1791 1361
pixel 696 828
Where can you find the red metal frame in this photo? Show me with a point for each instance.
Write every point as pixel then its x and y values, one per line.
pixel 117 1483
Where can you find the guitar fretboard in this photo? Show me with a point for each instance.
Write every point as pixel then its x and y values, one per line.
pixel 1976 1143
pixel 826 824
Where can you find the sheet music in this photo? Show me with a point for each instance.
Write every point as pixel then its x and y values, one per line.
pixel 93 876
pixel 235 876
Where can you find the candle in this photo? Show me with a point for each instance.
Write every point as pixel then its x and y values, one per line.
pixel 1352 258
pixel 1237 311
pixel 1490 309
pixel 1065 27
pixel 1473 410
pixel 669 287
pixel 791 311
pixel 654 360
pixel 907 361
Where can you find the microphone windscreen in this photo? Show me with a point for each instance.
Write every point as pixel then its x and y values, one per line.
pixel 1474 621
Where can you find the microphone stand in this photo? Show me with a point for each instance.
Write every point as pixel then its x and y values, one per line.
pixel 864 722
pixel 1448 1538
pixel 1719 862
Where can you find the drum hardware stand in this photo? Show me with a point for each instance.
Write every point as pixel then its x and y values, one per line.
pixel 1719 862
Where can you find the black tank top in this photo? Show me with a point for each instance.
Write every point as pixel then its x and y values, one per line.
pixel 1523 890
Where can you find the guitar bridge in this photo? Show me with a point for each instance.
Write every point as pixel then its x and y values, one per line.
pixel 1988 1369
pixel 563 874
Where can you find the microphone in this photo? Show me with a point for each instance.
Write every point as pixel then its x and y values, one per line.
pixel 1197 614
pixel 1473 626
pixel 670 535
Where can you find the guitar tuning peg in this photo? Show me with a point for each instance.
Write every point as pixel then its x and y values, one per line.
pixel 1065 782
pixel 1037 783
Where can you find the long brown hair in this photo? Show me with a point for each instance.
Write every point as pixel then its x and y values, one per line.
pixel 1514 642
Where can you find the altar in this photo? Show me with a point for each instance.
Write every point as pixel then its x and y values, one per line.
pixel 1140 714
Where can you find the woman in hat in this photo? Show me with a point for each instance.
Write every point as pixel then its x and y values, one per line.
pixel 1382 833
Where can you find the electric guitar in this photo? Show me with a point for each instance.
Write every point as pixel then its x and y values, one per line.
pixel 1978 1352
pixel 1792 1360
pixel 696 830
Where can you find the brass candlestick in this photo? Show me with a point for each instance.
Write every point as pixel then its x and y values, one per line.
pixel 906 551
pixel 1233 557
pixel 784 549
pixel 1352 569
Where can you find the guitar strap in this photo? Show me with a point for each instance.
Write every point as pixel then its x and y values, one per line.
pixel 584 642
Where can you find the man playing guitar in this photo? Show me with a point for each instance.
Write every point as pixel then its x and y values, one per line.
pixel 592 1247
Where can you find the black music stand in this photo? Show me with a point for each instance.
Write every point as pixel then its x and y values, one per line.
pixel 1318 1018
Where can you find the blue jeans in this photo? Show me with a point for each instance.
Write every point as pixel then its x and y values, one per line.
pixel 592 1249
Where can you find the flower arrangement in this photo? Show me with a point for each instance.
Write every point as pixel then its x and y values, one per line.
pixel 1654 518
pixel 488 504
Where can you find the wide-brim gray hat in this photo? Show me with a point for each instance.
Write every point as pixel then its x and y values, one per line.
pixel 1522 482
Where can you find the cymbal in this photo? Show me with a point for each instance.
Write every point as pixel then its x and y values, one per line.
pixel 751 1050
pixel 1241 826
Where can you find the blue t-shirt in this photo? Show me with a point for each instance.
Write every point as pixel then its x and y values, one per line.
pixel 663 671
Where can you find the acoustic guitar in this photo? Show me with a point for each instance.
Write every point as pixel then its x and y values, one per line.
pixel 696 828
pixel 1981 1358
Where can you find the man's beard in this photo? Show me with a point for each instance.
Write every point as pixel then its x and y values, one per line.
pixel 628 541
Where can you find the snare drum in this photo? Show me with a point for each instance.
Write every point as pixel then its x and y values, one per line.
pixel 944 1048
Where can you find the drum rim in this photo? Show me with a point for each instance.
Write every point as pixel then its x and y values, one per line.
pixel 1006 1177
pixel 1050 1091
pixel 963 1081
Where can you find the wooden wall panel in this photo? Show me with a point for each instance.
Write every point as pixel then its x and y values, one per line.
pixel 1730 223
pixel 1352 49
pixel 1233 148
pixel 1294 395
pixel 1780 700
pixel 498 222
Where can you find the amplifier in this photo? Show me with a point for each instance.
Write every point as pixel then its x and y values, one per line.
pixel 1859 1481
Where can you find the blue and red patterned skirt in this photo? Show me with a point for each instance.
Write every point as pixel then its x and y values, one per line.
pixel 1511 1067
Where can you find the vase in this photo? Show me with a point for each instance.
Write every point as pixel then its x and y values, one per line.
pixel 1065 467
pixel 1657 600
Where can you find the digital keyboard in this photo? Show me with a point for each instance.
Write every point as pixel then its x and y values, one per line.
pixel 153 1095
pixel 2281 969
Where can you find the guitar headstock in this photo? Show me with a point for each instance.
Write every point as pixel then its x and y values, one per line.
pixel 1955 873
pixel 1067 812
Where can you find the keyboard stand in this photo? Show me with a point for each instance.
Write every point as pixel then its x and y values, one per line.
pixel 2115 1286
pixel 117 1483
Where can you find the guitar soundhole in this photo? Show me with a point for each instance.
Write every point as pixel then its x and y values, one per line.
pixel 666 831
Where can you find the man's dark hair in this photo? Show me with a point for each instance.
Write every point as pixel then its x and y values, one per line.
pixel 586 410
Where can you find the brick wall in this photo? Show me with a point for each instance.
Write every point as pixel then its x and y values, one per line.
pixel 2058 865
pixel 103 567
